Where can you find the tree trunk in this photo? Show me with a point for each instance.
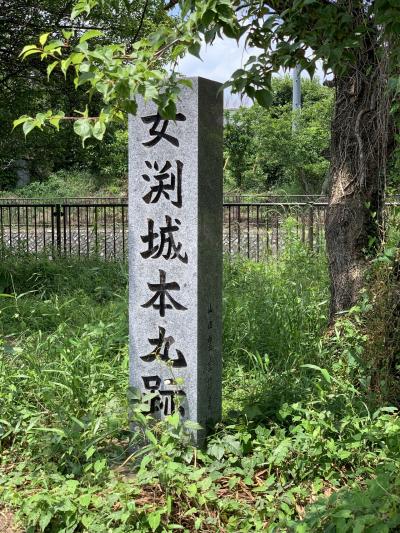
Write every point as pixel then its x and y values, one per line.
pixel 357 182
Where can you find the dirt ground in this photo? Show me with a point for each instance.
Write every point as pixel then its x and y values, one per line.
pixel 7 524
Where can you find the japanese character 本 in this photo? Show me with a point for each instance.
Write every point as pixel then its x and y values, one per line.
pixel 167 246
pixel 158 134
pixel 162 345
pixel 162 294
pixel 167 181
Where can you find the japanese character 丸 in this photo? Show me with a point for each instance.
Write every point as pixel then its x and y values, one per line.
pixel 162 345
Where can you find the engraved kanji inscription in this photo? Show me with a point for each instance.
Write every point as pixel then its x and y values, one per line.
pixel 167 247
pixel 168 183
pixel 162 345
pixel 160 133
pixel 166 399
pixel 161 297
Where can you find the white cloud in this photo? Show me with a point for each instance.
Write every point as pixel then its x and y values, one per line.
pixel 219 60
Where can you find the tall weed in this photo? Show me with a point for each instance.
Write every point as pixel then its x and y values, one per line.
pixel 297 450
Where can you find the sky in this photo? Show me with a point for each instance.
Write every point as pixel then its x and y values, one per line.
pixel 218 62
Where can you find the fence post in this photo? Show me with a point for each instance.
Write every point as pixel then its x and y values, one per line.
pixel 57 215
pixel 311 226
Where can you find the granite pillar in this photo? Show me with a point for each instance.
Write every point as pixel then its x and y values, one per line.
pixel 175 255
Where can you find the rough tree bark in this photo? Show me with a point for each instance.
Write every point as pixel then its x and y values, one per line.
pixel 359 149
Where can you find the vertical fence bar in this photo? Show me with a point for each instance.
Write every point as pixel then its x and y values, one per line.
pixel 69 230
pixel 10 227
pixel 26 229
pixel 87 231
pixel 248 232
pixel 311 227
pixel 18 227
pixel 229 229
pixel 105 232
pixel 64 215
pixel 1 230
pixel 123 231
pixel 114 243
pixel 238 228
pixel 258 233
pixel 35 229
pixel 44 227
pixel 95 230
pixel 78 223
pixel 53 231
pixel 58 228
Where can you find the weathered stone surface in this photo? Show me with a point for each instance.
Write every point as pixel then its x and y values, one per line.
pixel 175 242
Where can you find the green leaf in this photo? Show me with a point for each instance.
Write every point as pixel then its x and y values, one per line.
pixel 264 97
pixel 99 130
pixel 154 520
pixel 20 120
pixel 323 371
pixel 31 52
pixel 45 519
pixel 67 34
pixel 64 64
pixel 55 120
pixel 83 128
pixel 77 58
pixel 43 38
pixel 91 34
pixel 84 500
pixel 174 420
pixel 168 111
pixel 54 46
pixel 194 49
pixel 50 68
pixel 28 126
pixel 130 107
pixel 71 485
pixel 151 437
pixel 27 48
pixel 100 465
pixel 87 521
pixel 89 453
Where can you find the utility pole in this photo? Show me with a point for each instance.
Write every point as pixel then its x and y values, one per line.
pixel 296 76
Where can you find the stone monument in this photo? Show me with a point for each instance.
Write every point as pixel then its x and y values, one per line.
pixel 175 255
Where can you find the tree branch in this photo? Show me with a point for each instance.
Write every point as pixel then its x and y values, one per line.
pixel 141 21
pixel 171 4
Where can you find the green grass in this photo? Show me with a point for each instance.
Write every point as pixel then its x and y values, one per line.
pixel 303 446
pixel 73 183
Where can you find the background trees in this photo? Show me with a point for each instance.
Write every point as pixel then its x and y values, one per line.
pixel 358 41
pixel 24 87
pixel 263 152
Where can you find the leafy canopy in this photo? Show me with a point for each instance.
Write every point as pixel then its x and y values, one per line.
pixel 25 89
pixel 262 152
pixel 280 33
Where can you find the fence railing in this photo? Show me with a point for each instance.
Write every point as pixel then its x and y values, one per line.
pixel 88 227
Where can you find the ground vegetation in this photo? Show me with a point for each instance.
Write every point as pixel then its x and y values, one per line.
pixel 308 442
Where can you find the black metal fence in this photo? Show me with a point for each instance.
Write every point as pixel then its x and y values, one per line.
pixel 81 227
pixel 99 226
